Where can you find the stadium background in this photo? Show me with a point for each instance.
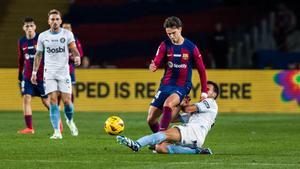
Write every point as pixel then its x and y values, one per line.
pixel 125 34
pixel 261 76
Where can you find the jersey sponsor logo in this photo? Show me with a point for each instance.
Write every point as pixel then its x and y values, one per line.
pixel 62 40
pixel 170 64
pixel 206 104
pixel 179 66
pixel 56 50
pixel 54 40
pixel 185 56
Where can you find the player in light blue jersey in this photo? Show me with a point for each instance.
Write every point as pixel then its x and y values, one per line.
pixel 187 138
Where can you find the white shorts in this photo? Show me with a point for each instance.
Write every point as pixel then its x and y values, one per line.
pixel 64 85
pixel 192 135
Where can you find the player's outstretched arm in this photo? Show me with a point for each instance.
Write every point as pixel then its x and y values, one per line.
pixel 36 64
pixel 75 53
pixel 190 109
pixel 202 72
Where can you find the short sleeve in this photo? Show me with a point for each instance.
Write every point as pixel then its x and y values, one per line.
pixel 40 45
pixel 70 37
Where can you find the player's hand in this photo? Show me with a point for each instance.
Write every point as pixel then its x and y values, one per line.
pixel 33 79
pixel 203 96
pixel 77 61
pixel 186 101
pixel 152 66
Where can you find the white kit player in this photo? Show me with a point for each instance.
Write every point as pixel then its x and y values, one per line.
pixel 187 138
pixel 55 44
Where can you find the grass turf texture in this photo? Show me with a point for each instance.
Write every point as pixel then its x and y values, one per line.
pixel 237 140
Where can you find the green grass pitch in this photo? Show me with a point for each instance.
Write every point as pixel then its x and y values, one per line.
pixel 237 140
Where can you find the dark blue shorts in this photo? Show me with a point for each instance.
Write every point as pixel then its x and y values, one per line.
pixel 73 79
pixel 165 91
pixel 33 90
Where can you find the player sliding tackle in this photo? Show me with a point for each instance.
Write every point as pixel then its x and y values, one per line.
pixel 187 138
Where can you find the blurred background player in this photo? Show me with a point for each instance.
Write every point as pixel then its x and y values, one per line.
pixel 56 43
pixel 26 51
pixel 68 26
pixel 187 138
pixel 220 46
pixel 178 55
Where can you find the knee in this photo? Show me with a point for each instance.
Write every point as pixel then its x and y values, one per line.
pixel 168 104
pixel 67 100
pixel 53 100
pixel 161 148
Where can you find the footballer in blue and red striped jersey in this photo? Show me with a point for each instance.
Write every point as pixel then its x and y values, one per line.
pixel 178 56
pixel 26 53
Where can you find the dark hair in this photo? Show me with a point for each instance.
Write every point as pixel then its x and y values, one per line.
pixel 216 88
pixel 54 11
pixel 172 22
pixel 28 19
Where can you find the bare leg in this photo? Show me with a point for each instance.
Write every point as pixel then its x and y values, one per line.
pixel 152 119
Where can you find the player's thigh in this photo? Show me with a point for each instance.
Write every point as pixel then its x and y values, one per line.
pixel 27 98
pixel 53 97
pixel 27 87
pixel 66 97
pixel 153 114
pixel 192 135
pixel 173 134
pixel 50 85
pixel 177 94
pixel 160 97
pixel 173 100
pixel 65 85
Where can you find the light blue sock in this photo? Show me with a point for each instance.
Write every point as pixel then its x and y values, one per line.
pixel 69 111
pixel 152 139
pixel 176 149
pixel 54 116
